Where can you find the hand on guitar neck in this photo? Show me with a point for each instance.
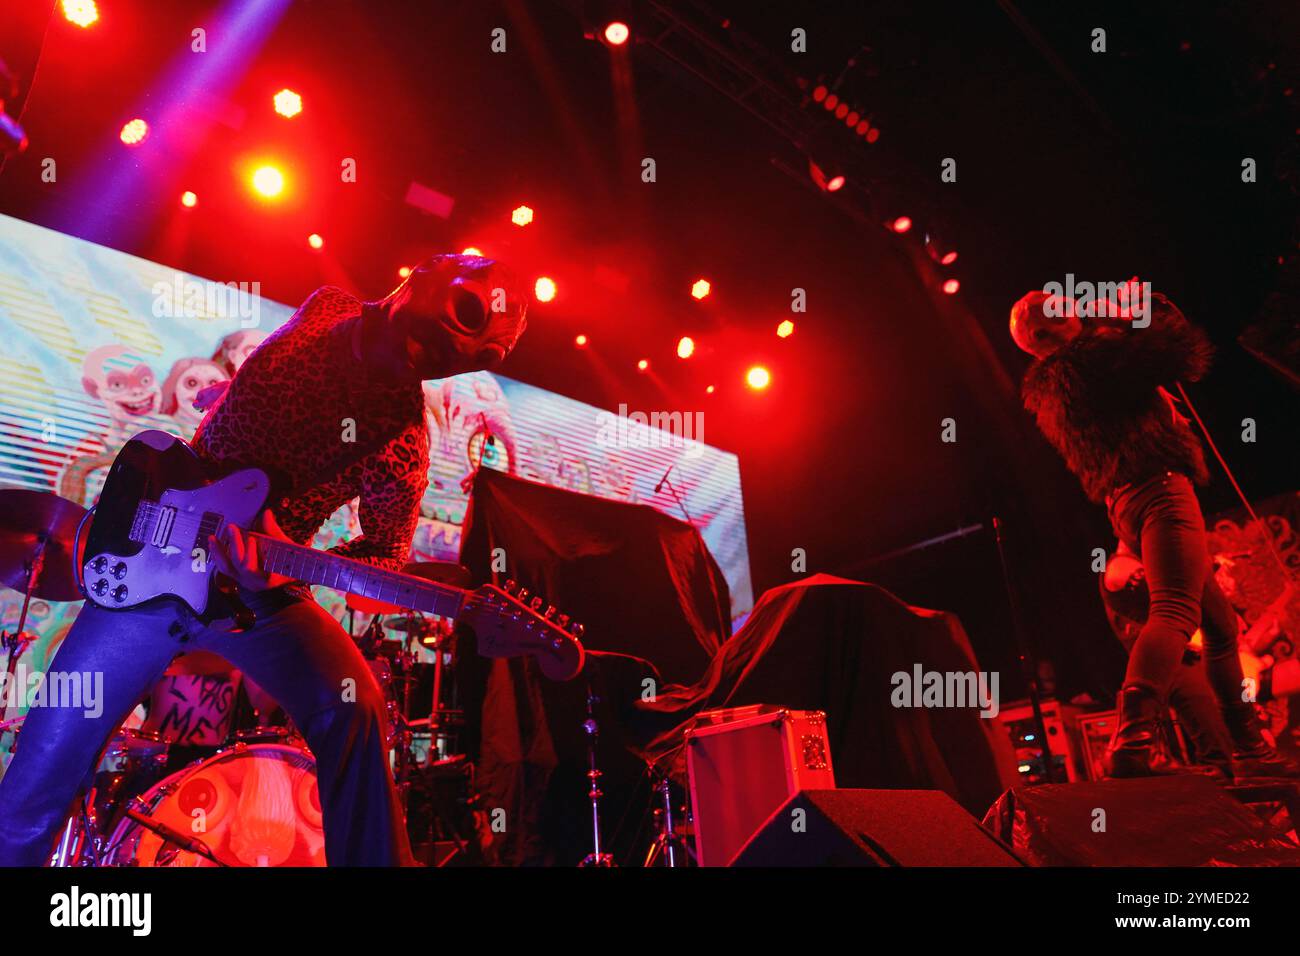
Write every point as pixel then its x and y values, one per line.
pixel 235 555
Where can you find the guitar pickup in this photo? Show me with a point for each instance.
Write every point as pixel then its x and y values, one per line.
pixel 162 529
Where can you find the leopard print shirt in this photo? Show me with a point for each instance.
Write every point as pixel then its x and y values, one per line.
pixel 327 430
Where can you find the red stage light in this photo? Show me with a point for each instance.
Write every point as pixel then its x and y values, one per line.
pixel 948 258
pixel 685 347
pixel 852 118
pixel 830 102
pixel 643 364
pixel 522 216
pixel 189 200
pixel 403 272
pixel 842 110
pixel 81 12
pixel 873 134
pixel 268 181
pixel 700 288
pixel 616 33
pixel 709 389
pixel 901 224
pixel 315 240
pixel 544 288
pixel 580 340
pixel 819 94
pixel 951 286
pixel 758 378
pixel 785 329
pixel 471 251
pixel 287 103
pixel 862 127
pixel 835 184
pixel 134 132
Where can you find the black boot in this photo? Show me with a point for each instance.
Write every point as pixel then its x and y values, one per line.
pixel 1253 757
pixel 1136 749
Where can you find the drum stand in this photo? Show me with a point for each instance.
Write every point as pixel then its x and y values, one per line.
pixel 589 726
pixel 672 847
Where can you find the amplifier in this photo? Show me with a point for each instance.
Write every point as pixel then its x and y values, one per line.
pixel 743 764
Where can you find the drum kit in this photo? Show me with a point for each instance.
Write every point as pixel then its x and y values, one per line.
pixel 251 800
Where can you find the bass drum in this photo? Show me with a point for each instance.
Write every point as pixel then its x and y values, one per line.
pixel 252 805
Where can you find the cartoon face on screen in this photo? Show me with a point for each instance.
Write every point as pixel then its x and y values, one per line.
pixel 236 347
pixel 188 377
pixel 469 422
pixel 124 382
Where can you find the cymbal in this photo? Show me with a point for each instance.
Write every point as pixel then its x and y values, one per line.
pixel 29 519
pixel 411 625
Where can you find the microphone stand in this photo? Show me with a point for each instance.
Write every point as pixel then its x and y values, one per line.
pixel 664 482
pixel 1028 665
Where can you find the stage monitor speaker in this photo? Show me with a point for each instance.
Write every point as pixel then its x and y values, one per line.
pixel 873 828
pixel 1184 820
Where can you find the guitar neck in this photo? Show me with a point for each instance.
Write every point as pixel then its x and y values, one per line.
pixel 355 577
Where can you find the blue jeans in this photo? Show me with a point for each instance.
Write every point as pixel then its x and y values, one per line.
pixel 1160 520
pixel 296 651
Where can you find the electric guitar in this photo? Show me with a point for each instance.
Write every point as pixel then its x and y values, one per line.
pixel 149 540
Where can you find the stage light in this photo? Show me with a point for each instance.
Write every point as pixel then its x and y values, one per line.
pixel 287 103
pixel 948 258
pixel 189 200
pixel 134 132
pixel 852 119
pixel 940 251
pixel 522 216
pixel 700 288
pixel 785 329
pixel 862 128
pixel 819 93
pixel 873 134
pixel 709 389
pixel 471 251
pixel 544 288
pixel 315 240
pixel 827 180
pixel 758 378
pixel 951 286
pixel 685 347
pixel 830 102
pixel 81 12
pixel 268 181
pixel 901 224
pixel 643 365
pixel 580 340
pixel 842 110
pixel 403 272
pixel 616 33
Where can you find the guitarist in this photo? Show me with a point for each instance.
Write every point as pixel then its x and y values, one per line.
pixel 1097 391
pixel 330 405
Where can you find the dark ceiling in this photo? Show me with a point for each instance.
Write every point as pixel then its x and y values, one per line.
pixel 1103 165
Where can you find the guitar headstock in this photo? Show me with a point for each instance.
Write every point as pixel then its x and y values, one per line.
pixel 509 621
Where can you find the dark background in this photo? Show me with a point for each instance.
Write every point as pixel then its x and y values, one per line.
pixel 1103 165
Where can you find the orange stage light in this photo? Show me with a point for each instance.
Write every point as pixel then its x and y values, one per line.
pixel 544 288
pixel 643 364
pixel 580 340
pixel 189 200
pixel 403 272
pixel 701 288
pixel 522 216
pixel 81 12
pixel 471 251
pixel 134 132
pixel 758 378
pixel 785 329
pixel 268 181
pixel 685 347
pixel 617 33
pixel 287 103
pixel 315 240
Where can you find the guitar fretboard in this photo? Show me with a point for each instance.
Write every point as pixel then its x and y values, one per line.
pixel 345 574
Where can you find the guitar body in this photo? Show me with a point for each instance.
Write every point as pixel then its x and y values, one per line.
pixel 129 562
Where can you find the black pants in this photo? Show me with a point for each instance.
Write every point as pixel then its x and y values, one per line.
pixel 1160 520
pixel 298 653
